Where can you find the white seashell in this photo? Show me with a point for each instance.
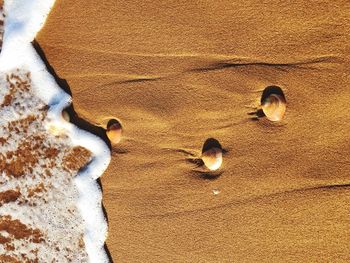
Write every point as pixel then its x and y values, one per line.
pixel 216 191
pixel 212 154
pixel 212 158
pixel 274 107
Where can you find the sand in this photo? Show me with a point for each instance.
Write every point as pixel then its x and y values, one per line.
pixel 178 72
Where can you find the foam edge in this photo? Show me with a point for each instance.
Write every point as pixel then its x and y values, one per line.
pixel 23 20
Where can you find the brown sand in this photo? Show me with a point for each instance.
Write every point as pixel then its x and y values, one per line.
pixel 178 72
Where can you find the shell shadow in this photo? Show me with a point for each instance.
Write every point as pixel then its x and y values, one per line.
pixel 114 122
pixel 269 90
pixel 256 115
pixel 212 175
pixel 211 143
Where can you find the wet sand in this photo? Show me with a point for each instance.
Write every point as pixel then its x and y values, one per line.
pixel 177 73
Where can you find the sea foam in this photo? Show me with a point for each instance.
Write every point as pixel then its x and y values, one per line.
pixel 49 167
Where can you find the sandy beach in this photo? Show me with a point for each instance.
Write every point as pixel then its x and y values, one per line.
pixel 176 73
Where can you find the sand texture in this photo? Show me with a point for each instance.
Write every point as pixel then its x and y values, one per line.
pixel 178 72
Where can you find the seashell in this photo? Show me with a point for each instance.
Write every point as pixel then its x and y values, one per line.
pixel 65 116
pixel 273 104
pixel 114 131
pixel 216 191
pixel 212 154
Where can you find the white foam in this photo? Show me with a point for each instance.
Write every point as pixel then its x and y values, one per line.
pixel 23 20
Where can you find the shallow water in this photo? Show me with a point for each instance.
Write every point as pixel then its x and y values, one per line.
pixel 50 207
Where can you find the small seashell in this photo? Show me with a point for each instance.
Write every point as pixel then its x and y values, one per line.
pixel 216 191
pixel 114 131
pixel 65 116
pixel 212 154
pixel 273 103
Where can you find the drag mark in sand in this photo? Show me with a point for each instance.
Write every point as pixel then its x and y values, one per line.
pixel 243 62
